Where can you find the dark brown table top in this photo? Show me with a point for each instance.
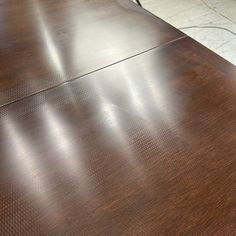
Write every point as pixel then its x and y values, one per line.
pixel 146 146
pixel 45 43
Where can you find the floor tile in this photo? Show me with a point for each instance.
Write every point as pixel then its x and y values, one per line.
pixel 210 22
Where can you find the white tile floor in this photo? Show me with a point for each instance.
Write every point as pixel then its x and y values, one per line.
pixel 200 19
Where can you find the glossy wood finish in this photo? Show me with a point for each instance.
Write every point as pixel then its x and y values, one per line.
pixel 144 147
pixel 44 43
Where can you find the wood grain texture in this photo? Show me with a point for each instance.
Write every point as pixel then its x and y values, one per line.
pixel 144 147
pixel 44 43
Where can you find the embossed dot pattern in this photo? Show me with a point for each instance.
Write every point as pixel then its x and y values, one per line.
pixel 144 147
pixel 46 43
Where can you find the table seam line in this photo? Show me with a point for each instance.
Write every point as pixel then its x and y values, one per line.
pixel 94 71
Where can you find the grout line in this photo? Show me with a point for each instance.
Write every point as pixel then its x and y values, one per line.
pixel 219 13
pixel 208 27
pixel 91 72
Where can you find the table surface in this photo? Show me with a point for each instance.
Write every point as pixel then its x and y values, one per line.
pixel 45 43
pixel 112 122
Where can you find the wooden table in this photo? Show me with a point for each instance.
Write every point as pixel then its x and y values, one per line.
pixel 112 122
